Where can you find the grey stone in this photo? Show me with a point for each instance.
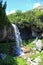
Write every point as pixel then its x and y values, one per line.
pixel 39 45
pixel 34 33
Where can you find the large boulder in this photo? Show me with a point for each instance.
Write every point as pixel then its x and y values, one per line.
pixel 39 45
pixel 34 33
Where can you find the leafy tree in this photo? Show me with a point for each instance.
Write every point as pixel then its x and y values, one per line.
pixel 4 22
pixel 3 18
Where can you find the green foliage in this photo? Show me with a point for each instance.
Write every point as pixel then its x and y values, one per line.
pixel 5 47
pixel 21 61
pixel 29 43
pixel 9 60
pixel 34 19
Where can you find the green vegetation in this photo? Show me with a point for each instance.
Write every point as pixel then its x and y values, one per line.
pixel 5 47
pixel 29 43
pixel 10 60
pixel 32 19
pixel 13 60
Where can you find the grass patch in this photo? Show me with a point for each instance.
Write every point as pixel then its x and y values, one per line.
pixel 21 61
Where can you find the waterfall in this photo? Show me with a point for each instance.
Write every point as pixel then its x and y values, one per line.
pixel 18 40
pixel 17 36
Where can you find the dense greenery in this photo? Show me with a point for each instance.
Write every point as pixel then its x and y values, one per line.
pixel 32 18
pixel 4 22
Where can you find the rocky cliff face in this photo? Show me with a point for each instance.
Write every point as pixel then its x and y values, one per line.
pixel 6 34
pixel 9 33
pixel 25 33
pixel 3 33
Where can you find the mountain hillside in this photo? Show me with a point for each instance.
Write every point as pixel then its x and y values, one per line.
pixel 32 18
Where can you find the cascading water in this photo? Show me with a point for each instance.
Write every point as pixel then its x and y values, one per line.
pixel 17 39
pixel 17 36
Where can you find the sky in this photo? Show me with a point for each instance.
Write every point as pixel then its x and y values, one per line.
pixel 23 5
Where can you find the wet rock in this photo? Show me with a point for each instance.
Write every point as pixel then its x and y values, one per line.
pixel 2 56
pixel 34 33
pixel 16 51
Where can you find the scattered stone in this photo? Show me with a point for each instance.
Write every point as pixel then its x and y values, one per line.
pixel 35 61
